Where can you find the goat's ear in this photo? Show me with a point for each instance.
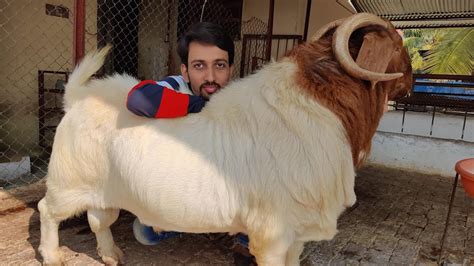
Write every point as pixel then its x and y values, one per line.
pixel 376 52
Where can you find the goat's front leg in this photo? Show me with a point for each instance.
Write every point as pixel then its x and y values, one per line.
pixel 100 221
pixel 294 252
pixel 271 257
pixel 350 197
pixel 270 252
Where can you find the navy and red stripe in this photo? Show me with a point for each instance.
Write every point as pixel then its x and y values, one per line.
pixel 150 99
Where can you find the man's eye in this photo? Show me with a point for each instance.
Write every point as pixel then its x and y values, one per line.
pixel 198 66
pixel 221 65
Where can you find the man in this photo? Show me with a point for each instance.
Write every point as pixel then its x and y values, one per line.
pixel 207 57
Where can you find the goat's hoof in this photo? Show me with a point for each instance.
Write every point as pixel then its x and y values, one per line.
pixel 112 257
pixel 52 257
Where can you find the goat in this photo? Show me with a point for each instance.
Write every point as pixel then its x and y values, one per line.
pixel 273 155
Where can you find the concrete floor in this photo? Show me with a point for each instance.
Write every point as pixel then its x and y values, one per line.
pixel 399 219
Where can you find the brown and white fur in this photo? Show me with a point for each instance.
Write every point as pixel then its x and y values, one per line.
pixel 272 155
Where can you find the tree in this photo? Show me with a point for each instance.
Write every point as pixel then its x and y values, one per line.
pixel 441 51
pixel 416 40
pixel 453 53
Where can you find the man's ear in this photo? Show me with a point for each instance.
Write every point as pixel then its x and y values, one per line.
pixel 231 69
pixel 184 72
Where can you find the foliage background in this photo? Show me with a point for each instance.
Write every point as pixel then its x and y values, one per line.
pixel 441 51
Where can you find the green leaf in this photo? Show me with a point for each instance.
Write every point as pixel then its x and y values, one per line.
pixel 412 42
pixel 452 53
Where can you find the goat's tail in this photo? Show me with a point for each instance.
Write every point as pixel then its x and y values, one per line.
pixel 89 65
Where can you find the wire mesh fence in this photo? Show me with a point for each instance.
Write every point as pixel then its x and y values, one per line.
pixel 37 44
pixel 30 41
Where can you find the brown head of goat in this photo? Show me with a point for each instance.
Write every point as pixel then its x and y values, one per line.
pixel 353 67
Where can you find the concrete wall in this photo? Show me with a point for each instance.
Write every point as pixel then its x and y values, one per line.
pixel 416 149
pixel 420 154
pixel 445 126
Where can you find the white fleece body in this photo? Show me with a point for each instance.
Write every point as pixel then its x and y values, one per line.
pixel 261 158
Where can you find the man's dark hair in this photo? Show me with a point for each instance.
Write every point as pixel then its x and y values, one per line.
pixel 208 33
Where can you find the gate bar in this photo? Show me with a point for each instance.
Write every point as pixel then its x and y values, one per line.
pixel 271 11
pixel 79 30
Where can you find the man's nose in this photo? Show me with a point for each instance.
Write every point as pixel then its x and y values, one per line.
pixel 210 75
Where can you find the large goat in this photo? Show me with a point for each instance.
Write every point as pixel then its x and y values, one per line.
pixel 272 155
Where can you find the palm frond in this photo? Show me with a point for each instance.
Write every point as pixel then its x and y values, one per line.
pixel 452 53
pixel 412 33
pixel 412 42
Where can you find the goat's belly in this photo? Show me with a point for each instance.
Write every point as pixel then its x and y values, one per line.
pixel 191 226
pixel 182 216
pixel 171 184
pixel 178 207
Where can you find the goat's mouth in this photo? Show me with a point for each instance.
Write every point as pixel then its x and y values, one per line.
pixel 400 91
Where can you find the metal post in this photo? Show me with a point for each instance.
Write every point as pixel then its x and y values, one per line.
pixel 244 54
pixel 403 117
pixel 453 192
pixel 41 112
pixel 432 120
pixel 306 21
pixel 79 30
pixel 464 124
pixel 268 53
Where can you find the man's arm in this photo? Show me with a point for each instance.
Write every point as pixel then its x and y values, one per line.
pixel 150 99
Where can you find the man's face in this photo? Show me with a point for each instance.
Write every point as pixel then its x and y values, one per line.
pixel 208 69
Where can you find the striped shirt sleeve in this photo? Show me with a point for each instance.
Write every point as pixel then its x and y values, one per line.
pixel 154 99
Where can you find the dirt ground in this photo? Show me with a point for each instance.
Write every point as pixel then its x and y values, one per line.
pixel 399 219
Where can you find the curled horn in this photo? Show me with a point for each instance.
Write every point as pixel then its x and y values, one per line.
pixel 340 47
pixel 331 25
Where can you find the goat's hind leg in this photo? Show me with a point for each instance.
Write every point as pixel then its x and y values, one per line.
pixel 50 216
pixel 100 221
